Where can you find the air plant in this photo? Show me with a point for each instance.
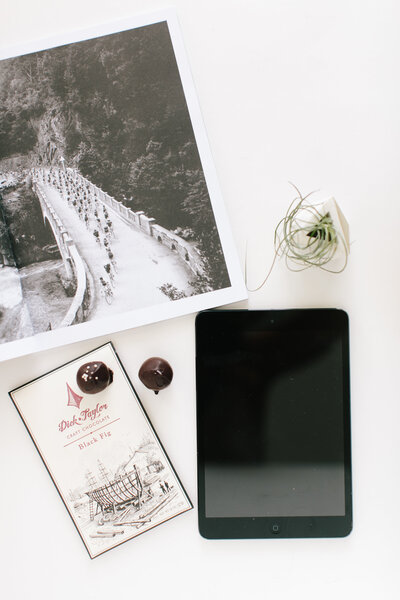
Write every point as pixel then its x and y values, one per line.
pixel 309 236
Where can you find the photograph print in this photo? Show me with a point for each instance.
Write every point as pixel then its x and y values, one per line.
pixel 107 215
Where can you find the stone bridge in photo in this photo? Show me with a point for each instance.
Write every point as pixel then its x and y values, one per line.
pixel 147 225
pixel 73 263
pixel 53 188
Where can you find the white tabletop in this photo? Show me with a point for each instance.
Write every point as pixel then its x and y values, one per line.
pixel 300 91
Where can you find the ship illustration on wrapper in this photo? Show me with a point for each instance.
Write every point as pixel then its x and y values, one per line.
pixel 139 492
pixel 102 453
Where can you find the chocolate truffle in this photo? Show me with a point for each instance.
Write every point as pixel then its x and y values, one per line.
pixel 93 377
pixel 155 373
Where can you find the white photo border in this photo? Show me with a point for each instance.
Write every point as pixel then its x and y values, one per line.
pixel 235 292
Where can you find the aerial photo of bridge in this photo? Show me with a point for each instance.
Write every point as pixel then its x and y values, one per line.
pixel 104 207
pixel 111 259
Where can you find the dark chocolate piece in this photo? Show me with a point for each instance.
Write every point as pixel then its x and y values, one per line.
pixel 156 373
pixel 93 377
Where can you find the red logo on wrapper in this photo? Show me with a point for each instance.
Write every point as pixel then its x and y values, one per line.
pixel 73 398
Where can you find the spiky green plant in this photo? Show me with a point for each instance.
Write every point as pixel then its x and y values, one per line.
pixel 306 237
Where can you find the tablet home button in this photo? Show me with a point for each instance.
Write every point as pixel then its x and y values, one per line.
pixel 276 528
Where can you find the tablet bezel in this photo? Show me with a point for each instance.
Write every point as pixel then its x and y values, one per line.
pixel 287 526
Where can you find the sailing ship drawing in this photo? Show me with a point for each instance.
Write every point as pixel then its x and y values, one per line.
pixel 139 494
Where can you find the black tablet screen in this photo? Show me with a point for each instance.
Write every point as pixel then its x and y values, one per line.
pixel 272 416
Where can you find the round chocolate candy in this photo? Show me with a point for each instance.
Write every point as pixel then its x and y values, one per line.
pixel 93 377
pixel 155 373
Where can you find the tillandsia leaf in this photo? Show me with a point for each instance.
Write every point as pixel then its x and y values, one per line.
pixel 319 242
pixel 306 238
pixel 324 229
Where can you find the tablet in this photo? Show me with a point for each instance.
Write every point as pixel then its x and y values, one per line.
pixel 273 423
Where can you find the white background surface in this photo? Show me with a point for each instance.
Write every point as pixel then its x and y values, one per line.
pixel 298 90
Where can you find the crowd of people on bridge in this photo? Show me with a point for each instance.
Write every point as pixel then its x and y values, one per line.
pixel 85 200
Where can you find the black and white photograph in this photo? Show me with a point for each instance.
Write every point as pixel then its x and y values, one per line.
pixel 106 214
